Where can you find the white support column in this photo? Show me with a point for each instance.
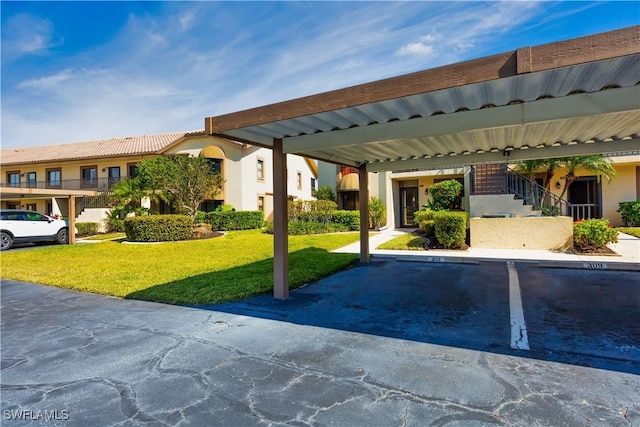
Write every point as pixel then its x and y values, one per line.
pixel 363 181
pixel 280 229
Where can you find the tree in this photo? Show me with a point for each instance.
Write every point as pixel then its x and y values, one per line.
pixel 128 194
pixel 595 163
pixel 324 192
pixel 185 181
pixel 377 213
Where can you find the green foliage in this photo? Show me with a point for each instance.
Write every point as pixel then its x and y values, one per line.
pixel 445 195
pixel 158 228
pixel 297 228
pixel 550 210
pixel 128 194
pixel 201 217
pixel 324 192
pixel 311 210
pixel 406 242
pixel 630 213
pixel 235 220
pixel 593 234
pixel 377 213
pixel 116 224
pixel 87 228
pixel 225 208
pixel 185 181
pixel 424 219
pixel 450 228
pixel 348 219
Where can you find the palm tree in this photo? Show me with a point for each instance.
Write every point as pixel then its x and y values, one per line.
pixel 595 163
pixel 128 193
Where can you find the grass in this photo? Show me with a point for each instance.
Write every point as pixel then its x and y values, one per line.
pixel 228 268
pixel 106 236
pixel 634 231
pixel 406 242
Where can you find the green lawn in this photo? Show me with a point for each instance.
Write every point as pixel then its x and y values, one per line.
pixel 228 268
pixel 406 242
pixel 634 231
pixel 106 236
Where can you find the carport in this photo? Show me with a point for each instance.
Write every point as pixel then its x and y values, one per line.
pixel 40 193
pixel 574 97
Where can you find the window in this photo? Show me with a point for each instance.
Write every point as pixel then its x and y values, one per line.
pixel 13 179
pixel 261 203
pixel 133 170
pixel 114 175
pixel 54 178
pixel 260 166
pixel 215 165
pixel 32 180
pixel 299 180
pixel 31 206
pixel 89 176
pixel 34 216
pixel 313 184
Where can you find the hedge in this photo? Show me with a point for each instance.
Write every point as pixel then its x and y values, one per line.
pixel 630 213
pixel 87 228
pixel 235 220
pixel 450 228
pixel 424 220
pixel 158 228
pixel 297 228
pixel 349 219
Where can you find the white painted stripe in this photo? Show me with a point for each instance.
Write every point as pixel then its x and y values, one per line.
pixel 519 338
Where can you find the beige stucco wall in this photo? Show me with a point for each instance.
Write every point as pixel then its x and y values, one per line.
pixel 621 189
pixel 552 233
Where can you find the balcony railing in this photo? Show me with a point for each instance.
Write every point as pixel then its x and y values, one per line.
pixel 97 184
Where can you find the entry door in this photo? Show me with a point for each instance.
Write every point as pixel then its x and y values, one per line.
pixel 409 205
pixel 584 196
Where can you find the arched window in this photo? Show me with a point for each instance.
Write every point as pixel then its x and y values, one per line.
pixel 215 156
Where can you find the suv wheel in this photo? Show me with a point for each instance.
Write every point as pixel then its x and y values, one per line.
pixel 6 241
pixel 62 236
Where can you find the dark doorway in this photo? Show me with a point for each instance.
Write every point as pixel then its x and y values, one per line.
pixel 584 195
pixel 408 205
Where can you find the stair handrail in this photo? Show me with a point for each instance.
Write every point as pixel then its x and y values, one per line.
pixel 536 195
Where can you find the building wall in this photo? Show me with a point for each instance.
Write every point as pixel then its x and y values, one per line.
pixel 621 189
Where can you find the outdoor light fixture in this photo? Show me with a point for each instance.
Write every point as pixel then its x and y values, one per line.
pixel 558 185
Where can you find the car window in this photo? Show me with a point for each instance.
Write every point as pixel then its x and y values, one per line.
pixel 13 216
pixel 34 216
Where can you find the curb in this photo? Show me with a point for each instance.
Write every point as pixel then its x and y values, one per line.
pixel 591 265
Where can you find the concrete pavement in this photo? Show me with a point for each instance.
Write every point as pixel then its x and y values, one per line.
pixel 627 248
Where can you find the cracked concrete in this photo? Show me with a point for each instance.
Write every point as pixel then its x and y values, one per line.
pixel 121 362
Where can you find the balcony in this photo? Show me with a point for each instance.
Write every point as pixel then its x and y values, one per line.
pixel 96 184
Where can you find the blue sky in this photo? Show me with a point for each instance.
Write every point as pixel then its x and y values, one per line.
pixel 80 71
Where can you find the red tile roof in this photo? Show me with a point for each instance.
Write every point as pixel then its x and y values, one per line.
pixel 131 145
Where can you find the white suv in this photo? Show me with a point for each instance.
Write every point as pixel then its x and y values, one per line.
pixel 17 226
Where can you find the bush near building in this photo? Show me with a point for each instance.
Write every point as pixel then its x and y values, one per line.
pixel 87 228
pixel 450 228
pixel 318 217
pixel 235 220
pixel 593 234
pixel 630 213
pixel 158 228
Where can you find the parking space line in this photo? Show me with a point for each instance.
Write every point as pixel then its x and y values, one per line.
pixel 519 338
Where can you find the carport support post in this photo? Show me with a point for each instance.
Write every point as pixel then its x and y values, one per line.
pixel 280 229
pixel 363 181
pixel 72 219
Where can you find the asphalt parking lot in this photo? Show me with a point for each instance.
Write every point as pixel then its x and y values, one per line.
pixel 393 343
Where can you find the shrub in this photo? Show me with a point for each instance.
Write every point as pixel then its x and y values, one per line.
pixel 424 220
pixel 593 234
pixel 87 228
pixel 348 219
pixel 311 210
pixel 377 213
pixel 324 192
pixel 225 208
pixel 450 228
pixel 116 224
pixel 296 228
pixel 445 195
pixel 158 228
pixel 630 213
pixel 235 220
pixel 201 216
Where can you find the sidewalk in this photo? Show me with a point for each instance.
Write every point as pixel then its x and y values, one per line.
pixel 627 248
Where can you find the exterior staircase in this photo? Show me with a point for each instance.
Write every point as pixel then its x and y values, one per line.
pixel 498 191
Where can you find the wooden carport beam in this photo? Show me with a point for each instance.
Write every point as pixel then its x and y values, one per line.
pixel 581 50
pixel 363 187
pixel 280 228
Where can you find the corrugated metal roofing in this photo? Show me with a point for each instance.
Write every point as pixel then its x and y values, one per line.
pixel 566 82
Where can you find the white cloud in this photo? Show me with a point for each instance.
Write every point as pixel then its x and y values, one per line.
pixel 47 82
pixel 26 34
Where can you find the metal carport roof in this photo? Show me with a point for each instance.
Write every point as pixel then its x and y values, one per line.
pixel 566 98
